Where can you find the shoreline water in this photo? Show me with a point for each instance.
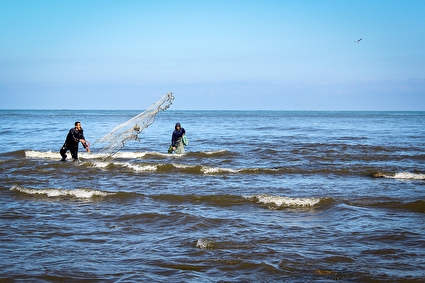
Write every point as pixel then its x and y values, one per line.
pixel 257 197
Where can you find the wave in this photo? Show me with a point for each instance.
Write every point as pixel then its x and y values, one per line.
pixel 408 176
pixel 12 154
pixel 77 193
pixel 101 161
pixel 213 153
pixel 413 206
pixel 137 167
pixel 86 156
pixel 283 202
pixel 274 202
pixel 400 175
pixel 123 154
pixel 42 154
pixel 211 244
pixel 164 163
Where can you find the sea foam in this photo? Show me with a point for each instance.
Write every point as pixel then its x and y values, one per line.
pixel 42 154
pixel 138 167
pixel 285 201
pixel 407 176
pixel 215 170
pixel 77 193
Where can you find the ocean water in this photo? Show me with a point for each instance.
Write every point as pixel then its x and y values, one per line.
pixel 259 196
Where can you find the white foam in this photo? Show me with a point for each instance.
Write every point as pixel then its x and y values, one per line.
pixel 55 155
pixel 42 154
pixel 182 166
pixel 136 155
pixel 285 201
pixel 129 155
pixel 93 155
pixel 215 151
pixel 204 243
pixel 407 176
pixel 138 167
pixel 215 170
pixel 78 193
pixel 100 164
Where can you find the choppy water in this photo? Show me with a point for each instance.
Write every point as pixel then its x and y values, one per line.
pixel 259 196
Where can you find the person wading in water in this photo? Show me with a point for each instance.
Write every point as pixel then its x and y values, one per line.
pixel 74 137
pixel 177 144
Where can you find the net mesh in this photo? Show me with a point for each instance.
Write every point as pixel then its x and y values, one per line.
pixel 130 130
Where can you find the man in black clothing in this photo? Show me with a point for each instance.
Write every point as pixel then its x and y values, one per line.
pixel 74 137
pixel 177 144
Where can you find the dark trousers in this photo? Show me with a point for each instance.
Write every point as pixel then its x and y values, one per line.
pixel 72 149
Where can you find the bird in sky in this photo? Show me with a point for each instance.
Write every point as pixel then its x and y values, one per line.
pixel 358 40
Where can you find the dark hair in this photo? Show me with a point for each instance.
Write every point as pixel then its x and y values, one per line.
pixel 76 123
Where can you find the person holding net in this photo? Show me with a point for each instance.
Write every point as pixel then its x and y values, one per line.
pixel 74 137
pixel 177 140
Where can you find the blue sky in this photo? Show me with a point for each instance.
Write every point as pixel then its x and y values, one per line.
pixel 242 55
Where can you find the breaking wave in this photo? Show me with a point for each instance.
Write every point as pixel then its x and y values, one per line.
pixel 77 193
pixel 164 162
pixel 122 154
pixel 280 201
pixel 408 176
pixel 400 176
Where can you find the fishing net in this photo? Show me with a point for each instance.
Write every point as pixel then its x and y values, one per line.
pixel 131 129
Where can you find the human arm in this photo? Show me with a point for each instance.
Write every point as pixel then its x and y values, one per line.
pixel 82 139
pixel 173 139
pixel 85 145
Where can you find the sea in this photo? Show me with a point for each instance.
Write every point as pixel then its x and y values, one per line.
pixel 258 196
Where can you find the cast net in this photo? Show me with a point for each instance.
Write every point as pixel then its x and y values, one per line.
pixel 131 129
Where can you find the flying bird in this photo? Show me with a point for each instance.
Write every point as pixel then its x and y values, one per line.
pixel 358 40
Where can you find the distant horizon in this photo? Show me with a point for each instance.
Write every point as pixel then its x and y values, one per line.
pixel 238 110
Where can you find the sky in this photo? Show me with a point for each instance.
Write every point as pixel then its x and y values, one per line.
pixel 213 55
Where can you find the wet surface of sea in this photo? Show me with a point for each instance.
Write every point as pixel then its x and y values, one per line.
pixel 259 196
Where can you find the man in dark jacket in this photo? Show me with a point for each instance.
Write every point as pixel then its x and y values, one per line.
pixel 176 139
pixel 74 137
